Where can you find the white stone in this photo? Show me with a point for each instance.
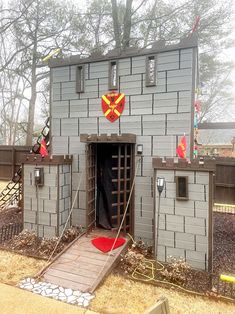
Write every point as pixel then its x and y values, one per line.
pixel 85 303
pixel 90 297
pixel 56 291
pixel 61 294
pixel 77 293
pixel 86 294
pixel 80 303
pixel 28 280
pixel 28 287
pixel 53 286
pixel 68 292
pixel 61 289
pixel 43 293
pixel 33 281
pixel 71 299
pixel 37 290
pixel 62 298
pixel 48 291
pixel 81 299
pixel 37 285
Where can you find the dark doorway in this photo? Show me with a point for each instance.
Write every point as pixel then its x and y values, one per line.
pixel 109 177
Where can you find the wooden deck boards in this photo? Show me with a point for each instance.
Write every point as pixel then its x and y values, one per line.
pixel 82 266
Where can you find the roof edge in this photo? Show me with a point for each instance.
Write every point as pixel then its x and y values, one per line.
pixel 158 46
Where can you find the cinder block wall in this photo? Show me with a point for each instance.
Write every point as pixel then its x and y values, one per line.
pixel 158 115
pixel 46 211
pixel 184 225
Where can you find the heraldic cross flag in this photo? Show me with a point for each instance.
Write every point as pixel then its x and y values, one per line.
pixel 181 149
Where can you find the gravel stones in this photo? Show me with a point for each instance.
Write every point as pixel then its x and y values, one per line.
pixel 55 292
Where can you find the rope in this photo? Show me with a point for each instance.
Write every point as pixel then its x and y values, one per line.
pixel 120 227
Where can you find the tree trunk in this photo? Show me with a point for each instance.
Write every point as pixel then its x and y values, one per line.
pixel 127 25
pixel 116 25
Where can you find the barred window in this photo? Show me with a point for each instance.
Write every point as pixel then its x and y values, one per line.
pixel 113 75
pixel 80 79
pixel 150 71
pixel 181 188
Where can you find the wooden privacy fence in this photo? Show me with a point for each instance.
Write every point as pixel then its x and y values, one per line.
pixel 8 231
pixel 225 181
pixel 11 157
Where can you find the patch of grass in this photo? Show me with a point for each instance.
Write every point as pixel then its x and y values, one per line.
pixel 119 295
pixel 14 267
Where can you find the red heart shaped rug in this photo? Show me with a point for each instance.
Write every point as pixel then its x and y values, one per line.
pixel 105 244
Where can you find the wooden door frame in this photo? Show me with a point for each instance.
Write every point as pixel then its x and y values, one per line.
pixel 132 173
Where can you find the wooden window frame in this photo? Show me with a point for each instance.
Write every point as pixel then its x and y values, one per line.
pixel 181 198
pixel 80 79
pixel 111 85
pixel 148 83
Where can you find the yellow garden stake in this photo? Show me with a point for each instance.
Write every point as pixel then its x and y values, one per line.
pixel 227 278
pixel 52 53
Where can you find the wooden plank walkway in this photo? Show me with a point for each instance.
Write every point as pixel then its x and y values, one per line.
pixel 82 266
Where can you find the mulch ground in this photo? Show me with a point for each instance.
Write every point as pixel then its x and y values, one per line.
pixel 11 215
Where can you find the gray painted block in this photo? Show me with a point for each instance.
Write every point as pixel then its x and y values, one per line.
pixel 165 103
pixel 202 209
pixel 185 241
pixel 69 127
pixel 161 253
pixel 29 216
pixel 79 108
pixel 79 217
pixel 166 205
pixel 170 190
pixel 162 222
pixel 95 109
pixel 141 104
pixel 53 193
pixel 164 146
pixel 146 142
pixel 167 175
pixel 60 109
pixel 124 66
pixel 195 225
pixel 50 206
pixel 196 259
pixel 56 92
pixel 44 218
pixel 160 84
pixel 202 178
pixel 90 89
pixel 130 84
pixel 27 202
pixel 82 199
pixel 99 69
pixel 50 179
pixel 178 123
pixel 68 91
pixel 147 167
pixel 139 65
pixel 174 223
pixel 175 253
pixel 185 101
pixel 76 146
pixel 131 124
pixel 59 145
pixel 201 243
pixel 55 126
pixel 144 235
pixel 106 127
pixel 184 208
pixel 49 231
pixel 60 74
pixel 143 186
pixel 154 125
pixel 53 219
pixel 166 238
pixel 144 227
pixel 88 125
pixel 66 191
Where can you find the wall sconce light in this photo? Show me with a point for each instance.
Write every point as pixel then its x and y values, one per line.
pixel 140 149
pixel 160 184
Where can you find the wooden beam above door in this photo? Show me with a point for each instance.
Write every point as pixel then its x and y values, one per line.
pixel 105 138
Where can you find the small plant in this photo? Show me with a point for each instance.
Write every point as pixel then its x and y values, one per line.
pixel 177 271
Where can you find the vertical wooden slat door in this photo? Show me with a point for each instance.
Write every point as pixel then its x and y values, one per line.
pixel 90 186
pixel 122 163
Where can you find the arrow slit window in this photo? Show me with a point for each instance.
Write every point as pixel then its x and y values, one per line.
pixel 113 75
pixel 150 71
pixel 181 188
pixel 80 79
